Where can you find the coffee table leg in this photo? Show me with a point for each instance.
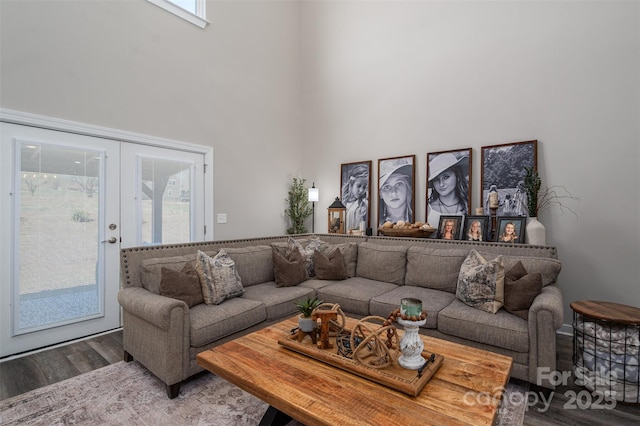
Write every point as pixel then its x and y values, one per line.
pixel 274 417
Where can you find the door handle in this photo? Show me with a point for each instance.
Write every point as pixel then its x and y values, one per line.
pixel 111 240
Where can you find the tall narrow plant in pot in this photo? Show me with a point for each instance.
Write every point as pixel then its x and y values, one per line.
pixel 538 199
pixel 306 308
pixel 298 209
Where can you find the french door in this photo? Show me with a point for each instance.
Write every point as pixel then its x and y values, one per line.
pixel 73 201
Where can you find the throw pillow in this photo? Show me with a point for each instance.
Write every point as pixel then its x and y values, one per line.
pixel 481 283
pixel 219 277
pixel 520 289
pixel 306 251
pixel 289 272
pixel 330 267
pixel 182 285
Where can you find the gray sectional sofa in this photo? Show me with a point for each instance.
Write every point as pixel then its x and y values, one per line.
pixel 165 335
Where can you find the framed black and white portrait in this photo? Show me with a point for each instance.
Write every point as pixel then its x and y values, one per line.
pixel 449 227
pixel 396 180
pixel 448 184
pixel 476 228
pixel 355 190
pixel 503 172
pixel 510 229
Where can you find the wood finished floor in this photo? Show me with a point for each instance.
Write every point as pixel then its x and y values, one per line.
pixel 40 369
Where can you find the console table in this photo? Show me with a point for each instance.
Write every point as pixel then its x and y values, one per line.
pixel 606 349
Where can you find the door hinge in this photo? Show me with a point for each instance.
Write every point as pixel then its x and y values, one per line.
pixel 205 230
pixel 205 168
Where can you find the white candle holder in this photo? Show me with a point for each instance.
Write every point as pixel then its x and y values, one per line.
pixel 411 345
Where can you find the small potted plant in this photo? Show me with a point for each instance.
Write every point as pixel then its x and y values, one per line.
pixel 306 308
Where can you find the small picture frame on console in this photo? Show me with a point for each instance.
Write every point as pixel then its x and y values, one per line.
pixel 476 228
pixel 510 229
pixel 449 227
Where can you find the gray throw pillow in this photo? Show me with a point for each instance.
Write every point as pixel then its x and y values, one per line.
pixel 289 272
pixel 520 289
pixel 330 267
pixel 219 277
pixel 182 285
pixel 481 283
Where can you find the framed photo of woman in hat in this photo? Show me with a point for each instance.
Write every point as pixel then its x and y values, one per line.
pixel 396 180
pixel 448 184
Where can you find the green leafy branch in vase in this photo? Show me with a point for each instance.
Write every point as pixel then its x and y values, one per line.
pixel 539 198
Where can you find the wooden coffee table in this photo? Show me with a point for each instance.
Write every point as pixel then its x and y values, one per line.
pixel 465 390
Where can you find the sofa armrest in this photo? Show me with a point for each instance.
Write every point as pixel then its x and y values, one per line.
pixel 156 333
pixel 546 315
pixel 151 307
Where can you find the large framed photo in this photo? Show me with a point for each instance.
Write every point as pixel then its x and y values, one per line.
pixel 503 172
pixel 476 228
pixel 510 229
pixel 449 227
pixel 396 180
pixel 448 184
pixel 355 188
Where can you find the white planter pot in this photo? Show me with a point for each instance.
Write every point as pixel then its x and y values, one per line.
pixel 306 324
pixel 536 232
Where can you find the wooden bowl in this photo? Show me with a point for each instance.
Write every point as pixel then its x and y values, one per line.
pixel 406 232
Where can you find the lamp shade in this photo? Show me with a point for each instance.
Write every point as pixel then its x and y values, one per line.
pixel 314 194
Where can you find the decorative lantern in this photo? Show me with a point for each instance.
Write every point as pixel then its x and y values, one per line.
pixel 337 213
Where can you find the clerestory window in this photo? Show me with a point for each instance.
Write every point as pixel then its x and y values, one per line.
pixel 193 11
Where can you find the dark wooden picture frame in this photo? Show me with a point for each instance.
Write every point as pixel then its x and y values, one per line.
pixel 449 173
pixel 355 193
pixel 519 222
pixel 503 166
pixel 457 226
pixel 485 228
pixel 396 183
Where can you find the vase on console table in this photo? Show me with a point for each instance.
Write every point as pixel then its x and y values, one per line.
pixel 536 232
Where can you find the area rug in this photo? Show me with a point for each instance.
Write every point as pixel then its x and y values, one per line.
pixel 128 394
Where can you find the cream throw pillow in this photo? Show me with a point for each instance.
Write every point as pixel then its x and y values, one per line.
pixel 481 283
pixel 219 277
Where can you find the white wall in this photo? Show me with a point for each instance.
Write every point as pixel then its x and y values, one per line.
pixel 132 66
pixel 281 87
pixel 384 79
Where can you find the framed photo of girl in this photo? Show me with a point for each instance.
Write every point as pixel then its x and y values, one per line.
pixel 448 184
pixel 503 171
pixel 510 229
pixel 355 190
pixel 476 228
pixel 449 227
pixel 396 180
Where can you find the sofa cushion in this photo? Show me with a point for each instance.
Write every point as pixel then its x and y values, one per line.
pixel 278 301
pixel 481 283
pixel 212 322
pixel 349 255
pixel 382 263
pixel 520 289
pixel 433 301
pixel 182 285
pixel 330 267
pixel 291 271
pixel 255 263
pixel 549 268
pixel 150 271
pixel 501 329
pixel 306 251
pixel 354 294
pixel 434 268
pixel 219 277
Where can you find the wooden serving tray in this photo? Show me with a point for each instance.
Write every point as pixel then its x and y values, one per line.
pixel 394 376
pixel 406 232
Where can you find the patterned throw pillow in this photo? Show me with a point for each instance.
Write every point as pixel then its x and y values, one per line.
pixel 306 251
pixel 219 277
pixel 481 283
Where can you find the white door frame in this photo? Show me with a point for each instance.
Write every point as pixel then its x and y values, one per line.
pixel 27 119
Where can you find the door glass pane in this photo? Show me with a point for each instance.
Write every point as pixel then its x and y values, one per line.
pixel 166 201
pixel 58 238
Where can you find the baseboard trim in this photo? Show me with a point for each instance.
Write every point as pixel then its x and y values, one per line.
pixel 566 329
